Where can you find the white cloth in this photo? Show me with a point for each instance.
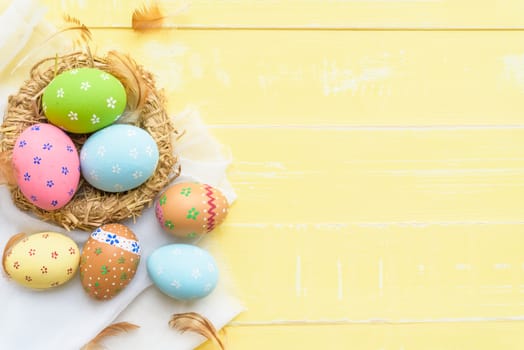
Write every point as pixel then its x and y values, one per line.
pixel 65 317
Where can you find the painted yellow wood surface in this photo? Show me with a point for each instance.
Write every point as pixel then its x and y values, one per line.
pixel 380 173
pixel 306 13
pixel 487 335
pixel 346 78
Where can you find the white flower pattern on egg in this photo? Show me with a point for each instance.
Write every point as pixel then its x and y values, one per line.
pixel 137 174
pixel 133 153
pixel 101 151
pixel 176 284
pixel 116 169
pixel 95 119
pixel 211 267
pixel 111 103
pixel 104 76
pixel 198 252
pixel 196 273
pixel 85 85
pixel 73 115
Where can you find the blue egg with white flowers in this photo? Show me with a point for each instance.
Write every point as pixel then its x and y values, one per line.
pixel 183 271
pixel 118 158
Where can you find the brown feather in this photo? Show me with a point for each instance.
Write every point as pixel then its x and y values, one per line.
pixel 7 249
pixel 126 70
pixel 147 17
pixel 7 173
pixel 82 38
pixel 84 34
pixel 110 331
pixel 70 19
pixel 193 322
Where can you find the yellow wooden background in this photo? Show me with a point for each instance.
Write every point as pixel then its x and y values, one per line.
pixel 378 157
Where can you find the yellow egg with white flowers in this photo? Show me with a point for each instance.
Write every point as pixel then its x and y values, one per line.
pixel 41 260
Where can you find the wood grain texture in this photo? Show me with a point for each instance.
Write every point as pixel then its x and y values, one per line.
pixel 469 176
pixel 379 171
pixel 426 337
pixel 345 78
pixel 400 225
pixel 218 14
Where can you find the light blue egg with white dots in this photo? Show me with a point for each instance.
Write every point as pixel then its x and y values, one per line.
pixel 118 158
pixel 183 271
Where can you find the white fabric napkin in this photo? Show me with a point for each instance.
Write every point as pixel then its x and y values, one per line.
pixel 65 317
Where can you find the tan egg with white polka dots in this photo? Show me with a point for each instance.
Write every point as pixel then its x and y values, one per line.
pixel 109 261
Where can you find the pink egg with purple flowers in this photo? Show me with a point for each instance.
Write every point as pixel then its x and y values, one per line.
pixel 47 166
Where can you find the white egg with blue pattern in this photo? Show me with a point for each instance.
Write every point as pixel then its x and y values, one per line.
pixel 183 271
pixel 118 158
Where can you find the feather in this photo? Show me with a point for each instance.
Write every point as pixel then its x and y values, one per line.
pixel 193 322
pixel 70 19
pixel 7 173
pixel 153 17
pixel 84 33
pixel 147 17
pixel 82 38
pixel 7 249
pixel 110 331
pixel 126 70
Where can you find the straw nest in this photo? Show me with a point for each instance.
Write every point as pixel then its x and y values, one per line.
pixel 91 207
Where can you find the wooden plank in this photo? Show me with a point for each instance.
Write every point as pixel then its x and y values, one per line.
pixel 304 13
pixel 377 176
pixel 335 78
pixel 329 273
pixel 493 335
pixel 394 225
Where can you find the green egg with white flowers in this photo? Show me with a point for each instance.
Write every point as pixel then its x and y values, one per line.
pixel 84 100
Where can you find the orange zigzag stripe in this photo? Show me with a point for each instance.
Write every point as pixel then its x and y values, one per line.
pixel 212 207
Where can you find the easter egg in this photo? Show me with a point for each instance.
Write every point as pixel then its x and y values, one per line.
pixel 118 158
pixel 42 260
pixel 190 209
pixel 83 100
pixel 183 271
pixel 46 166
pixel 109 261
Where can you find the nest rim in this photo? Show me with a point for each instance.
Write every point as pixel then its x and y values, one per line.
pixel 90 208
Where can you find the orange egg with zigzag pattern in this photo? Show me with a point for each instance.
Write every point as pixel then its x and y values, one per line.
pixel 190 209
